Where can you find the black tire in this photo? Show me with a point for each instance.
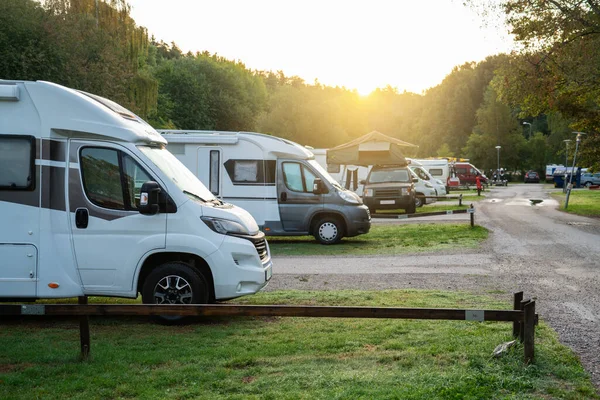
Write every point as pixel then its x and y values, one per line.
pixel 412 208
pixel 419 201
pixel 588 184
pixel 328 230
pixel 174 283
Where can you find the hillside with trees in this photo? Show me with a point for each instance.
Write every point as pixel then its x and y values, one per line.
pixel 552 85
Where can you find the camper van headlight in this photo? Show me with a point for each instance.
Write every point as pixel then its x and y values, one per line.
pixel 429 185
pixel 349 197
pixel 224 226
pixel 368 193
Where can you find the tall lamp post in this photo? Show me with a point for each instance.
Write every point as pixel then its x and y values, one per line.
pixel 498 169
pixel 577 141
pixel 528 123
pixel 567 141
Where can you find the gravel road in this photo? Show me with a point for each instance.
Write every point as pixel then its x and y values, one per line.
pixel 550 255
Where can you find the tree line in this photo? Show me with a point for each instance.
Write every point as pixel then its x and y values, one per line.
pixel 528 102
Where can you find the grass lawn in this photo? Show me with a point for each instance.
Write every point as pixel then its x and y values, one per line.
pixel 386 239
pixel 581 202
pixel 290 358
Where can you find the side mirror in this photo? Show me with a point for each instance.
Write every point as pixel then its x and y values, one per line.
pixel 415 180
pixel 319 187
pixel 362 182
pixel 149 198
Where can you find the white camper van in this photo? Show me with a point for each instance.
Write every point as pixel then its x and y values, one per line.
pixel 276 180
pixel 92 203
pixel 438 168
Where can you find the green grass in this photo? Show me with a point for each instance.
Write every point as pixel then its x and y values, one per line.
pixel 290 358
pixel 582 202
pixel 386 239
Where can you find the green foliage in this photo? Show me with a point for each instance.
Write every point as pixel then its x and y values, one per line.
pixel 444 151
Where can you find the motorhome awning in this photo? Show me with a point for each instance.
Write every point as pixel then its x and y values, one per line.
pixel 374 148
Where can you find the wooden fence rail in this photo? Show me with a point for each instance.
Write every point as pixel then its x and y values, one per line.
pixel 522 316
pixel 470 211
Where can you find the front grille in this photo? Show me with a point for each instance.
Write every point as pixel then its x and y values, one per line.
pixel 261 248
pixel 259 242
pixel 387 192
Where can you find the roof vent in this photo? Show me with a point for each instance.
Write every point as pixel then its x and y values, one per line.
pixel 9 92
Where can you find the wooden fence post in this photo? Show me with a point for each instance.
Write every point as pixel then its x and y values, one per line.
pixel 529 338
pixel 517 306
pixel 460 199
pixel 84 331
pixel 522 327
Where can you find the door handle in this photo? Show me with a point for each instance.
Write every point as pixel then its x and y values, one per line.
pixel 284 196
pixel 82 218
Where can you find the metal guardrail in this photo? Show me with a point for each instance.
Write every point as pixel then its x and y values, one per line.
pixel 522 316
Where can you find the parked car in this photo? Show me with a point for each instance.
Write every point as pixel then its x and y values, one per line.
pixel 532 177
pixel 588 179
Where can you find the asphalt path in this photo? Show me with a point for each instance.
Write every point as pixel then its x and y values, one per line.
pixel 552 256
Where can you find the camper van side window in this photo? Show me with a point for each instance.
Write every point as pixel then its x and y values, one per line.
pixel 17 162
pixel 436 172
pixel 111 178
pixel 101 175
pixel 213 184
pixel 251 172
pixel 297 177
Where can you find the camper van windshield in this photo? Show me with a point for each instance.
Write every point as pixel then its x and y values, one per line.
pixel 324 173
pixel 177 172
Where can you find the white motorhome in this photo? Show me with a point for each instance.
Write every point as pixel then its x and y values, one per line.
pixel 438 168
pixel 92 203
pixel 276 180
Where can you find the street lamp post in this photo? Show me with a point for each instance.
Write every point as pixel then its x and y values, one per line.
pixel 498 168
pixel 567 141
pixel 577 141
pixel 528 123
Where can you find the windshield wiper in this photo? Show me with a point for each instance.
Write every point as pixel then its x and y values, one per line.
pixel 194 196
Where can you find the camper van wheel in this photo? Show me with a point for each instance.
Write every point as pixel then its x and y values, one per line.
pixel 174 283
pixel 419 200
pixel 328 230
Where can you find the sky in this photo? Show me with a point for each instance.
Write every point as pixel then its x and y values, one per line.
pixel 408 44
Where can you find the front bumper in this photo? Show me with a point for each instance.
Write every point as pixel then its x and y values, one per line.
pixel 388 203
pixel 359 221
pixel 237 268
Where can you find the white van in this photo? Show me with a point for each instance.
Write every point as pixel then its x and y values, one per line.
pixel 424 191
pixel 276 180
pixel 423 174
pixel 92 203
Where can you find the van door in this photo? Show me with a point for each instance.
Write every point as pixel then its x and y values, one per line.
pixel 209 168
pixel 110 236
pixel 297 202
pixel 19 216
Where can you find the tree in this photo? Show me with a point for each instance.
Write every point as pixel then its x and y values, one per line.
pixel 557 68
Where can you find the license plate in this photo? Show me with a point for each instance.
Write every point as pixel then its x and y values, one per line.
pixel 387 202
pixel 269 272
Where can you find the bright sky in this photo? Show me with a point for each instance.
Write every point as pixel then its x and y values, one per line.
pixel 359 44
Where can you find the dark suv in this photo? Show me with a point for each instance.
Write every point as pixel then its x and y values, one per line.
pixel 389 188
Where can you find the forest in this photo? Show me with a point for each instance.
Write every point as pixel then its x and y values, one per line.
pixel 528 102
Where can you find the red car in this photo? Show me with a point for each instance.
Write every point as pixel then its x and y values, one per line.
pixel 532 177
